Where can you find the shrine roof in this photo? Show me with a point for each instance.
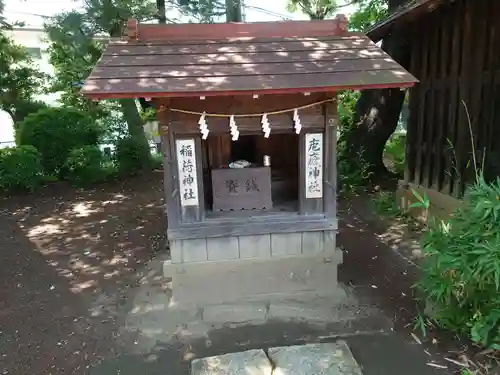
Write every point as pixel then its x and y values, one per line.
pixel 237 58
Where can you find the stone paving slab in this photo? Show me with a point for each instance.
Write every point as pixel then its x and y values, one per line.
pixel 314 359
pixel 251 362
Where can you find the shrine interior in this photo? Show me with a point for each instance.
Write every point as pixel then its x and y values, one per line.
pixel 282 150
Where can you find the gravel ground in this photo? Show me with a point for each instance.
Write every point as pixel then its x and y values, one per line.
pixel 68 258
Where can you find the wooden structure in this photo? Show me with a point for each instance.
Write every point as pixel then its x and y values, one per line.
pixel 225 92
pixel 454 54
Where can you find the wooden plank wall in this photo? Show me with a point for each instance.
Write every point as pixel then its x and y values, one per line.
pixel 283 145
pixel 455 57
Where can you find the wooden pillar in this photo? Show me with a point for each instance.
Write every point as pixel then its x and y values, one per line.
pixel 190 206
pixel 411 148
pixel 462 146
pixel 443 99
pixel 454 100
pixel 330 177
pixel 430 152
pixel 169 178
pixel 423 76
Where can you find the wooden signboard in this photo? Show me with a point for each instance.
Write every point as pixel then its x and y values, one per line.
pixel 314 165
pixel 188 182
pixel 242 189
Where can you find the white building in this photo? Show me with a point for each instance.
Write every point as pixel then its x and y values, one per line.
pixel 35 41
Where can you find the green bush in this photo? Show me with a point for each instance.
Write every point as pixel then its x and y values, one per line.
pixel 157 161
pixel 394 153
pixel 353 172
pixel 23 108
pixel 84 166
pixel 55 132
pixel 110 170
pixel 132 156
pixel 20 169
pixel 461 270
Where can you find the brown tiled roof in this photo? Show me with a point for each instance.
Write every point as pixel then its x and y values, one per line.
pixel 244 63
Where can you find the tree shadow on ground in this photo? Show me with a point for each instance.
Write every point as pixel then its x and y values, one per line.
pixel 381 275
pixel 68 258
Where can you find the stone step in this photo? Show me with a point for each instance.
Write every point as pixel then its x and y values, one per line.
pixel 251 362
pixel 328 321
pixel 312 359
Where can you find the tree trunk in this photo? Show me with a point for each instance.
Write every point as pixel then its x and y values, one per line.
pixel 233 11
pixel 134 121
pixel 378 111
pixel 162 12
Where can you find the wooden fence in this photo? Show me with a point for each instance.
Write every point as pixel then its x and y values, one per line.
pixel 456 56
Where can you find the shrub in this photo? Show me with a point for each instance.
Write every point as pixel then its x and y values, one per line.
pixel 84 165
pixel 394 153
pixel 55 132
pixel 132 156
pixel 20 169
pixel 157 161
pixel 352 172
pixel 110 170
pixel 23 108
pixel 461 270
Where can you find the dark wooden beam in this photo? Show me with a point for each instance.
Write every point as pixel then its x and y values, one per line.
pixel 454 100
pixel 257 225
pixel 330 188
pixel 429 157
pixel 462 145
pixel 169 167
pixel 423 77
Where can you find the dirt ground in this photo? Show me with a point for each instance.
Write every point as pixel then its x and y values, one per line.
pixel 69 257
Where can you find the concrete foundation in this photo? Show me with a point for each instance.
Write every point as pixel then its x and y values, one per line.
pixel 441 206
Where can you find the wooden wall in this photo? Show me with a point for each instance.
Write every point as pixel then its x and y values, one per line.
pixel 282 148
pixel 455 55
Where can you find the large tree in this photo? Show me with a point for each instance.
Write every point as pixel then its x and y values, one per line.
pixel 3 22
pixel 77 39
pixel 314 9
pixel 208 11
pixel 377 111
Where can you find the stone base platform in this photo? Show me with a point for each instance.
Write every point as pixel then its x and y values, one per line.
pixel 211 283
pixel 205 298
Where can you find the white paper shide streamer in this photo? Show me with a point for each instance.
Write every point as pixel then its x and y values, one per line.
pixel 203 126
pixel 266 128
pixel 296 120
pixel 235 134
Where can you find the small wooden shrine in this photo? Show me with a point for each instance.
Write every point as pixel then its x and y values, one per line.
pixel 248 119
